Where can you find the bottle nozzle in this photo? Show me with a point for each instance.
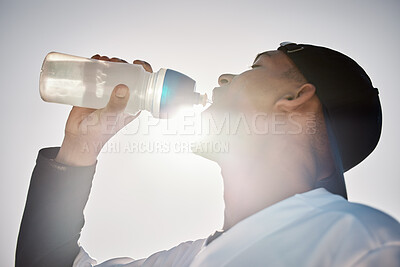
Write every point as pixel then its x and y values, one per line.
pixel 203 100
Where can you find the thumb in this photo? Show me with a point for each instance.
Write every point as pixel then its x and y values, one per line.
pixel 119 99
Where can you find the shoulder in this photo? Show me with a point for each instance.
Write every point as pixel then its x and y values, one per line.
pixel 356 234
pixel 181 255
pixel 378 225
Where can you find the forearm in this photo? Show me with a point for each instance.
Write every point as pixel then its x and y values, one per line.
pixel 53 216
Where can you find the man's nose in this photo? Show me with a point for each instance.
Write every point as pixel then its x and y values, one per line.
pixel 225 79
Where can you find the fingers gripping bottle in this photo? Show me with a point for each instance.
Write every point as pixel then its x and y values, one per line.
pixel 89 83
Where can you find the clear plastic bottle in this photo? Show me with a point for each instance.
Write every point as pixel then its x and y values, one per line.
pixel 84 82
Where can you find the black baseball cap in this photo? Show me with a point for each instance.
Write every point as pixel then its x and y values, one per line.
pixel 350 102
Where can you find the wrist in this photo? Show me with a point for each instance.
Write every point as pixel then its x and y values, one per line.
pixel 78 152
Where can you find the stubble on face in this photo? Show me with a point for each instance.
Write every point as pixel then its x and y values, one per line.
pixel 248 95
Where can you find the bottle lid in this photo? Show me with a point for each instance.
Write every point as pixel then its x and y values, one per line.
pixel 178 91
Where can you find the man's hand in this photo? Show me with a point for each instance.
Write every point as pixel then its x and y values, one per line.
pixel 87 130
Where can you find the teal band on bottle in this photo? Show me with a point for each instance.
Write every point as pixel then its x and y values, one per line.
pixel 177 92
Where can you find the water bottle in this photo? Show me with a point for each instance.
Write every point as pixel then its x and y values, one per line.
pixel 84 82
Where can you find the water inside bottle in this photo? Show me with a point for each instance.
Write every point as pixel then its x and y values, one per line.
pixel 87 82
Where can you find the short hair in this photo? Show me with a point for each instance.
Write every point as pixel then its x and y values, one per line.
pixel 293 75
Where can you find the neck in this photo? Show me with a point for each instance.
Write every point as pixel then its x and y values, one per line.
pixel 263 179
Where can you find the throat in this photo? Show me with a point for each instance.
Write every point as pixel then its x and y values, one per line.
pixel 251 188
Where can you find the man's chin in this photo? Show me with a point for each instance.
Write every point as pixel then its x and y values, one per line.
pixel 209 149
pixel 215 142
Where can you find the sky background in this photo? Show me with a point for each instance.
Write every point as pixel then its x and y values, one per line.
pixel 144 202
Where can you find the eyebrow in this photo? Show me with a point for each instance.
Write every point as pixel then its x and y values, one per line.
pixel 262 54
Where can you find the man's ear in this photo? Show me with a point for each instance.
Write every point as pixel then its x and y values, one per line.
pixel 290 102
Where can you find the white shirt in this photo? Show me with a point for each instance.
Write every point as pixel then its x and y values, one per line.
pixel 315 228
